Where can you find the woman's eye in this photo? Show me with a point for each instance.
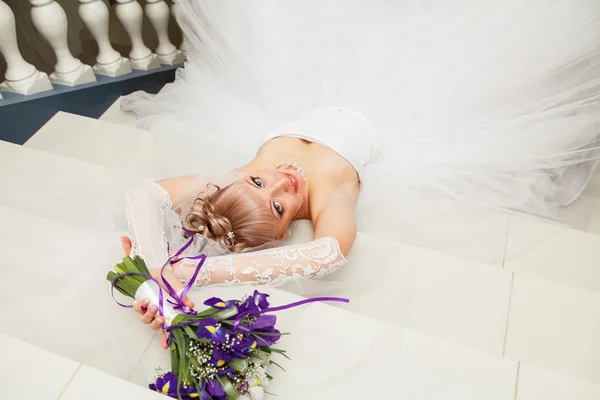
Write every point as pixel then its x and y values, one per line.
pixel 258 182
pixel 278 208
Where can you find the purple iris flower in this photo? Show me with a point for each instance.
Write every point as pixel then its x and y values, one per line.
pixel 255 304
pixel 264 323
pixel 244 347
pixel 214 388
pixel 220 357
pixel 260 299
pixel 210 329
pixel 219 304
pixel 166 384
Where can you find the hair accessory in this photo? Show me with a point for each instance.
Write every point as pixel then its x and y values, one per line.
pixel 200 228
pixel 231 235
pixel 294 165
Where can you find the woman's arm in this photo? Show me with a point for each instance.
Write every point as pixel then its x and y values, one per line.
pixel 337 220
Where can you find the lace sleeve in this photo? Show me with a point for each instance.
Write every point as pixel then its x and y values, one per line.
pixel 274 266
pixel 146 206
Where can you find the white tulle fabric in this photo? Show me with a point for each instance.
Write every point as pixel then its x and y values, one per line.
pixel 156 233
pixel 490 103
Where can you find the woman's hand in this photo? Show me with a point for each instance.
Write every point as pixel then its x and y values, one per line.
pixel 144 307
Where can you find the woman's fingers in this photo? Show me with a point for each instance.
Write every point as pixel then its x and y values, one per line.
pixel 149 315
pixel 163 341
pixel 141 306
pixel 157 323
pixel 126 242
pixel 188 302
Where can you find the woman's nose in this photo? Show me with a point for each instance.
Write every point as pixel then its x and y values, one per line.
pixel 281 185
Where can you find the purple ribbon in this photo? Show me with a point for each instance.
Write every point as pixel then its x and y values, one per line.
pixel 306 301
pixel 174 259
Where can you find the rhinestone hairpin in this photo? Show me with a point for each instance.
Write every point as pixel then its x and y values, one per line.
pixel 294 165
pixel 230 235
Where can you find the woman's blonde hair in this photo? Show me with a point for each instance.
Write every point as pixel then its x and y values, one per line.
pixel 232 209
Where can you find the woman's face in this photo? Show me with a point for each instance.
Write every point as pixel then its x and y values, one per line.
pixel 282 190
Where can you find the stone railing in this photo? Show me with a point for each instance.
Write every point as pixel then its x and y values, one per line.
pixel 50 20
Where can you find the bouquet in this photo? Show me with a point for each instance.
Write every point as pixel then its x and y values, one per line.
pixel 219 353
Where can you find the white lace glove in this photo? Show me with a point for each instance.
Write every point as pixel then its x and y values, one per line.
pixel 274 266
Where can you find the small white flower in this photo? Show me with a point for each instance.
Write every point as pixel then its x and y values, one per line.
pixel 230 235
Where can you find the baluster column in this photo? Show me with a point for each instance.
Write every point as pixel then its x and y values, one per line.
pixel 21 77
pixel 109 62
pixel 130 14
pixel 158 13
pixel 185 44
pixel 51 21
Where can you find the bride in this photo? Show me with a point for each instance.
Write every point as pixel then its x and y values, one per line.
pixel 493 105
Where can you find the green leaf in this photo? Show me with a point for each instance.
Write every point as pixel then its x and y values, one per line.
pixel 190 332
pixel 238 364
pixel 278 351
pixel 226 314
pixel 269 334
pixel 141 265
pixel 228 388
pixel 120 269
pixel 273 362
pixel 260 357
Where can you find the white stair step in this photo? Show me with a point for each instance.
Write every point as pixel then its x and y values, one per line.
pixel 56 295
pixel 83 138
pixel 432 292
pixel 115 115
pixel 92 384
pixel 554 253
pixel 61 189
pixel 555 327
pixel 28 372
pixel 134 152
pixel 536 383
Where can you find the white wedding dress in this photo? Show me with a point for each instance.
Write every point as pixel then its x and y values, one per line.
pixel 492 104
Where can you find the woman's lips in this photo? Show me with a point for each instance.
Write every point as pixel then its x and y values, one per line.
pixel 293 180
